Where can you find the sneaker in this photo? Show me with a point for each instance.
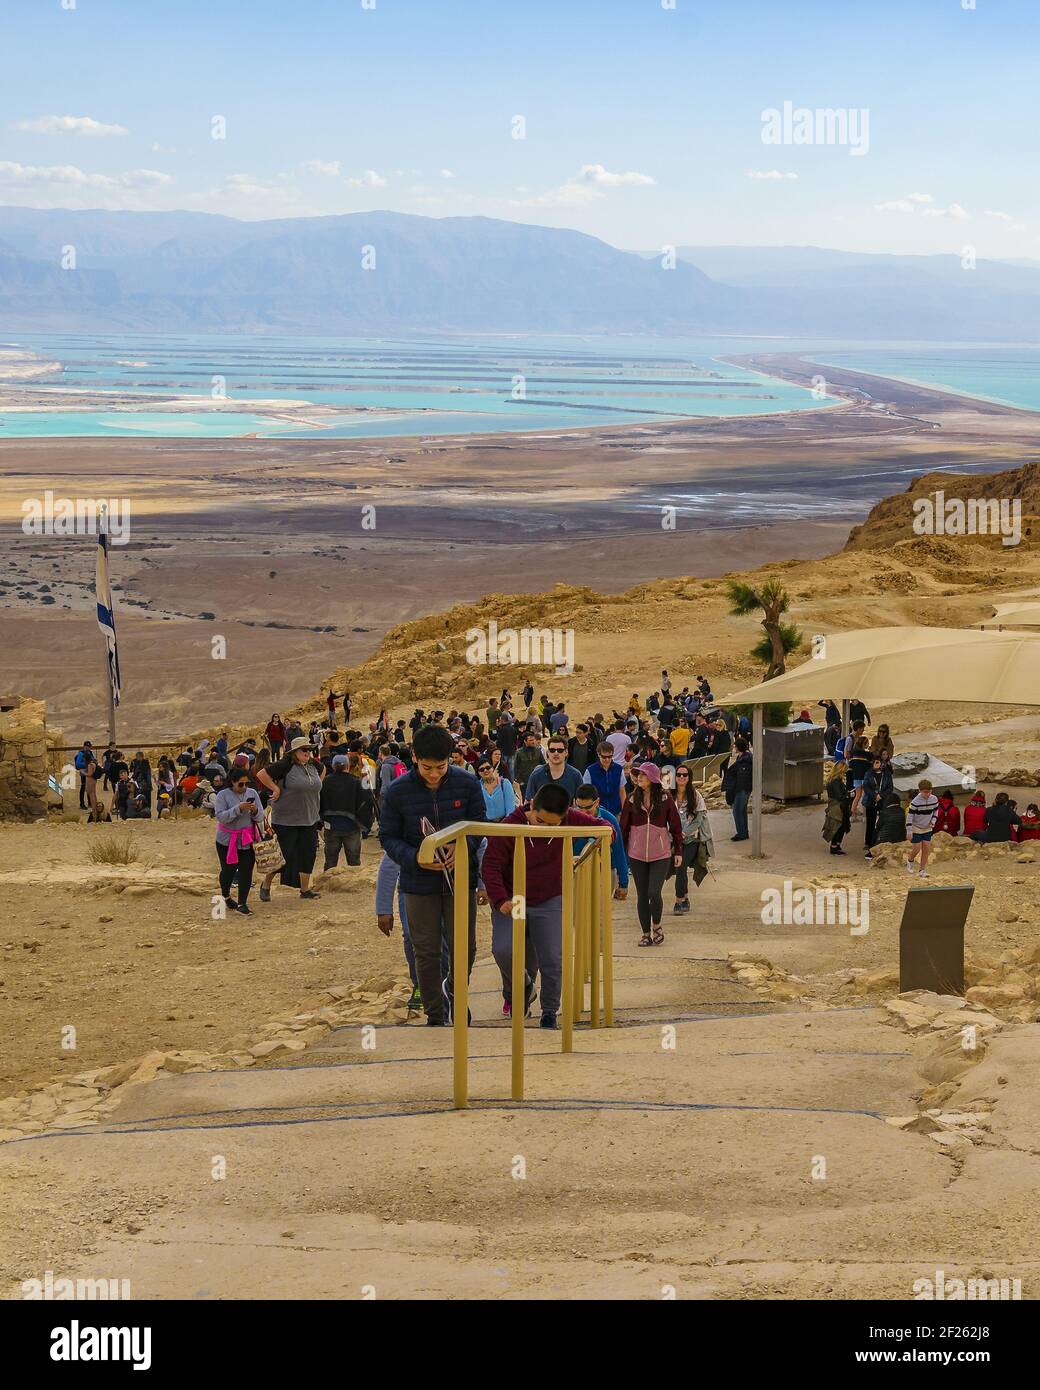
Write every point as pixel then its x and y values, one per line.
pixel 310 894
pixel 507 1009
pixel 530 995
pixel 836 849
pixel 244 908
pixel 909 866
pixel 415 1002
pixel 265 895
pixel 923 873
pixel 432 1021
pixel 548 1020
pixel 449 1005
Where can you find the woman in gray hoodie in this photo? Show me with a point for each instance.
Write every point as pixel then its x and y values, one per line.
pixel 240 818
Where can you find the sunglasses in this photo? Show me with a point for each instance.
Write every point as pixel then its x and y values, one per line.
pixel 684 775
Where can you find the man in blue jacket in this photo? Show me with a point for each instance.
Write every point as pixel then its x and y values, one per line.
pixel 440 795
pixel 83 759
pixel 608 778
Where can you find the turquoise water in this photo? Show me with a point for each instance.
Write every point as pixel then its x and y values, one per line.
pixel 442 386
pixel 1009 376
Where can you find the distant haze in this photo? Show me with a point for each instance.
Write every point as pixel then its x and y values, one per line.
pixel 192 272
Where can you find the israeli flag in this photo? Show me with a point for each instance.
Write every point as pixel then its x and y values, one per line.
pixel 105 612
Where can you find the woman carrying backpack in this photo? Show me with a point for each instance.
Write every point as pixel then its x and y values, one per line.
pixel 653 837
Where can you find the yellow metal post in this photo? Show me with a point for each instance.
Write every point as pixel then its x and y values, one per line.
pixel 460 972
pixel 567 930
pixel 595 934
pixel 607 937
pixel 580 910
pixel 519 953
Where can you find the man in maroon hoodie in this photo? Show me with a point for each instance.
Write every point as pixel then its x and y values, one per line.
pixel 543 899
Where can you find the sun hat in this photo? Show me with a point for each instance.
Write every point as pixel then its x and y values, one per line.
pixel 299 743
pixel 650 770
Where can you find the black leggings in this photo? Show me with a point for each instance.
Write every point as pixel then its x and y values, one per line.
pixel 649 880
pixel 682 873
pixel 244 867
pixel 299 845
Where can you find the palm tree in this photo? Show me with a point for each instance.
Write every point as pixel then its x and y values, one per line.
pixel 781 638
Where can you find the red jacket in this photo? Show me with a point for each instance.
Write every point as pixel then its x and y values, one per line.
pixel 974 817
pixel 948 817
pixel 544 861
pixel 667 815
pixel 1028 830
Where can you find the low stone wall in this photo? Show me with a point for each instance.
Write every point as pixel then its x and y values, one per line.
pixel 23 758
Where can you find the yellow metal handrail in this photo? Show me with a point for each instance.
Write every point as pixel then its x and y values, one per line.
pixel 587 933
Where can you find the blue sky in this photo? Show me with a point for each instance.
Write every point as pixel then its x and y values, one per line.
pixel 643 122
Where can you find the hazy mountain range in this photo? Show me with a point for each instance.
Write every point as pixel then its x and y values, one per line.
pixel 198 272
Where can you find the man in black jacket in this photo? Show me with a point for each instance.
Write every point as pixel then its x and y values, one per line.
pixel 581 751
pixel 737 786
pixel 506 734
pixel 346 808
pixel 432 796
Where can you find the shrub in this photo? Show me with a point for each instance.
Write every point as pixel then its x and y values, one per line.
pixel 114 849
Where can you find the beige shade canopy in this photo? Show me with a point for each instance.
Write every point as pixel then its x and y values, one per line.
pixel 911 663
pixel 1019 614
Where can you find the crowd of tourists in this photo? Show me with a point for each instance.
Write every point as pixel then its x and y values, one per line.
pixel 280 800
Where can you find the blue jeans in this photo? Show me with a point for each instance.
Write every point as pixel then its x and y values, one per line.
pixel 740 801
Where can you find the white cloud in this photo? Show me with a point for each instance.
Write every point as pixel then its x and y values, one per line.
pixel 1006 218
pixel 247 185
pixel 21 175
pixel 329 169
pixel 769 174
pixel 447 174
pixel 369 179
pixel 954 211
pixel 587 185
pixel 68 125
pixel 603 178
pixel 914 201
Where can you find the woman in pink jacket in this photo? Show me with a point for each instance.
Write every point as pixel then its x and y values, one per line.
pixel 652 832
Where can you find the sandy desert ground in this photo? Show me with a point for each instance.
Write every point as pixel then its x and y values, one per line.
pixel 263 544
pixel 697 1168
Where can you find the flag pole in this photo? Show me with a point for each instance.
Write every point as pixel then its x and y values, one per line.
pixel 103 594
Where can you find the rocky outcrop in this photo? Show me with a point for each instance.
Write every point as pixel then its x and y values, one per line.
pixel 23 758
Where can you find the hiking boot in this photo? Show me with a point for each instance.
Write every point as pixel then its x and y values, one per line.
pixel 548 1020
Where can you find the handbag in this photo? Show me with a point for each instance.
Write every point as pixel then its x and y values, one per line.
pixel 267 853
